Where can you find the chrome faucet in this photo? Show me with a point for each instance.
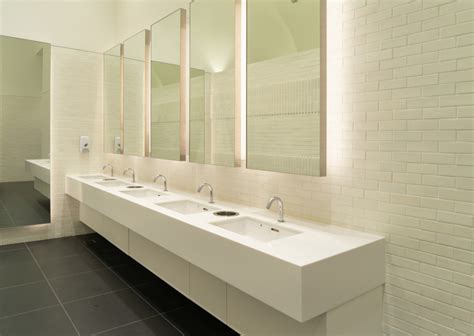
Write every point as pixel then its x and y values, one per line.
pixel 211 191
pixel 108 165
pixel 133 173
pixel 281 211
pixel 165 182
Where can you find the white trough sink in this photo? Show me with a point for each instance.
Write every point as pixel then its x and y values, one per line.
pixel 187 207
pixel 255 229
pixel 113 184
pixel 143 193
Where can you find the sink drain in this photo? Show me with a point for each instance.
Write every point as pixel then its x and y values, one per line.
pixel 134 187
pixel 226 213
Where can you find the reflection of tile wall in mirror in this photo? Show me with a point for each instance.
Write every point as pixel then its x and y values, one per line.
pixel 167 111
pixel 212 87
pixel 112 100
pixel 24 131
pixel 134 95
pixel 283 86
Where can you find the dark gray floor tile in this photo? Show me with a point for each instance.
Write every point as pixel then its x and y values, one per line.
pixel 59 267
pixel 105 251
pixel 21 299
pixel 193 320
pixel 46 322
pixel 25 205
pixel 86 285
pixel 15 257
pixel 150 327
pixel 162 296
pixel 12 247
pixel 19 273
pixel 57 248
pixel 5 219
pixel 108 311
pixel 134 274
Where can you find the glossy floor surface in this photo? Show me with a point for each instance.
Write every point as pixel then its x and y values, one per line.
pixel 21 204
pixel 85 286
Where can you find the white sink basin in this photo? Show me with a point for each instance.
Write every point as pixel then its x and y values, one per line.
pixel 186 207
pixel 143 193
pixel 113 184
pixel 255 229
pixel 93 177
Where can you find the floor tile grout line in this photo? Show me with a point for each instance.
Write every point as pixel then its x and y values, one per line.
pixel 8 214
pixel 78 273
pixel 167 320
pixel 147 302
pixel 124 325
pixel 136 293
pixel 54 292
pixel 94 296
pixel 23 284
pixel 14 249
pixel 28 311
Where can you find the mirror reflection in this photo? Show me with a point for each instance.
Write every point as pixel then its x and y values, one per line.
pixel 134 94
pixel 113 100
pixel 168 112
pixel 212 82
pixel 284 110
pixel 24 132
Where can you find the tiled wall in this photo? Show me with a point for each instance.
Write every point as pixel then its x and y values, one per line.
pixel 165 113
pixel 20 136
pixel 24 106
pixel 400 155
pixel 76 109
pixel 133 114
pixel 112 102
pixel 212 117
pixel 283 96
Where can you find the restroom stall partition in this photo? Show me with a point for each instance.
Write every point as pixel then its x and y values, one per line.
pixel 24 132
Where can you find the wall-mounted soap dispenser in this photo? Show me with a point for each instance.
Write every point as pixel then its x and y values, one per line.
pixel 117 145
pixel 84 144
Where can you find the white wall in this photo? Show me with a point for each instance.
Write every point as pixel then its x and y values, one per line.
pixel 87 24
pixel 133 16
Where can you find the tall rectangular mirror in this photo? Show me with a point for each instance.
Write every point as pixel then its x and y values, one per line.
pixel 168 87
pixel 286 127
pixel 113 100
pixel 134 98
pixel 24 132
pixel 214 82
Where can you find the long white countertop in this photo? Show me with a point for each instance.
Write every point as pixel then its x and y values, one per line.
pixel 40 168
pixel 302 259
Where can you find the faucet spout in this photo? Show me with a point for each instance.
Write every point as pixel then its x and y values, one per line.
pixel 211 191
pixel 132 171
pixel 108 165
pixel 165 181
pixel 281 211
